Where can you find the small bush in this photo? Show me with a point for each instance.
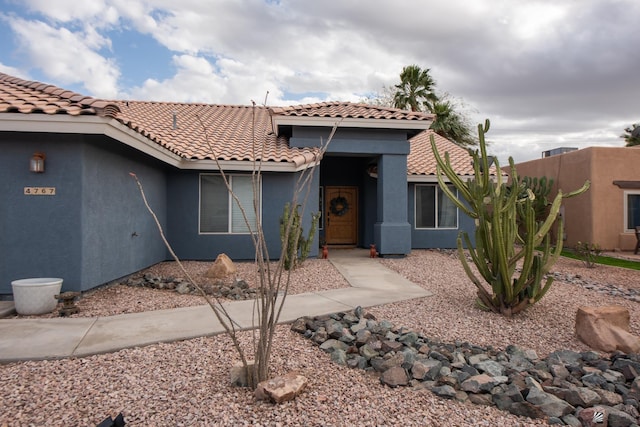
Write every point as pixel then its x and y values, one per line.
pixel 588 253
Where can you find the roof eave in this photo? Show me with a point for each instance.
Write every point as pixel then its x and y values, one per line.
pixel 112 128
pixel 349 122
pixel 88 125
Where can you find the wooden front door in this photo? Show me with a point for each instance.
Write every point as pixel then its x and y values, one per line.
pixel 341 214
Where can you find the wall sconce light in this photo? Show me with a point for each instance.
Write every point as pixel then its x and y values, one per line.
pixel 37 162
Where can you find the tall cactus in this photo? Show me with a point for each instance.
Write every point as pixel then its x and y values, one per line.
pixel 500 243
pixel 297 246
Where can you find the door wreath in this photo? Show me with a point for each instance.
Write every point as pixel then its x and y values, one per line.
pixel 339 206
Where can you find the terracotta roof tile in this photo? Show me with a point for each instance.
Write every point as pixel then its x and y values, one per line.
pixel 204 131
pixel 29 97
pixel 421 160
pixel 350 110
pixel 226 132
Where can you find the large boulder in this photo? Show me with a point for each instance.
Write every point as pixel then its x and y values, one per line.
pixel 606 329
pixel 222 268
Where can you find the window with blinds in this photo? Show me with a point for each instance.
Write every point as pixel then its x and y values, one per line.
pixel 433 209
pixel 219 212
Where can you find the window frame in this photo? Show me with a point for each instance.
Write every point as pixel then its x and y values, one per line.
pixel 231 204
pixel 628 193
pixel 438 190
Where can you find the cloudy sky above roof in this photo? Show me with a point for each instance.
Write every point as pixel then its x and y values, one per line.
pixel 547 73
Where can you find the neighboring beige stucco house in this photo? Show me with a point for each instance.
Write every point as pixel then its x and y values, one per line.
pixel 608 213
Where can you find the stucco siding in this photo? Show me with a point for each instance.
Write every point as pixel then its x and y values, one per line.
pixel 119 235
pixel 40 235
pixel 183 210
pixel 596 216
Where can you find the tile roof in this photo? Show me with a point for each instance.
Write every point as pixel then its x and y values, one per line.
pixel 200 131
pixel 205 131
pixel 351 110
pixel 23 96
pixel 421 160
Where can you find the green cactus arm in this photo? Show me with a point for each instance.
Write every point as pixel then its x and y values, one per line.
pixel 579 191
pixel 456 201
pixel 529 249
pixel 444 167
pixel 465 264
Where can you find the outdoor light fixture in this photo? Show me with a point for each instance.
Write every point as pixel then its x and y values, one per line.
pixel 37 162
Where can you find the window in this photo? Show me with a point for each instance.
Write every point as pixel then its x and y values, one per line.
pixel 219 212
pixel 632 210
pixel 433 207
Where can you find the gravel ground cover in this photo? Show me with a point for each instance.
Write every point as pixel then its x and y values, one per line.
pixel 187 383
pixel 117 298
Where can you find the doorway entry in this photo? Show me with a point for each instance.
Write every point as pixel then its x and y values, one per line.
pixel 341 215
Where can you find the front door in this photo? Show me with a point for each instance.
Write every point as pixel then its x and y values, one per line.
pixel 341 210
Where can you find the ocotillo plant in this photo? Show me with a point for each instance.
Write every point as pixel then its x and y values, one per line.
pixel 499 243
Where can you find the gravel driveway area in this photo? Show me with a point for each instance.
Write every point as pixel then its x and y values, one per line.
pixel 187 383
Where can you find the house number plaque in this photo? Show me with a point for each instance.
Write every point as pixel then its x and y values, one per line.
pixel 40 191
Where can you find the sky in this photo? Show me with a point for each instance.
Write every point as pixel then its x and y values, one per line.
pixel 548 74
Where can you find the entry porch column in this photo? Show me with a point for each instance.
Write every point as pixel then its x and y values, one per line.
pixel 392 231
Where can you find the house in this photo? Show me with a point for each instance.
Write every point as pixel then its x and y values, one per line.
pixel 608 213
pixel 71 209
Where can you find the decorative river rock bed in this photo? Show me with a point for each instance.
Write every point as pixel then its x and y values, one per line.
pixel 234 289
pixel 566 388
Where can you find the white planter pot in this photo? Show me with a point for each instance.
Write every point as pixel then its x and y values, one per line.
pixel 36 296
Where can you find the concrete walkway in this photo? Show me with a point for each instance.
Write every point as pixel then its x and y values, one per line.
pixel 36 339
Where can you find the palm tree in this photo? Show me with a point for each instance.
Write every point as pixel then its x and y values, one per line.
pixel 451 124
pixel 415 90
pixel 632 135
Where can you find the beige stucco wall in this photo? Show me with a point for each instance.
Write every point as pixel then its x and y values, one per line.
pixel 596 216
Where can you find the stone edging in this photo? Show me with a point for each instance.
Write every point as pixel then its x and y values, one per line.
pixel 567 388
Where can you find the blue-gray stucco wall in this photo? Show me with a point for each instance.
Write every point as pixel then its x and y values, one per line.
pixel 183 206
pixel 119 235
pixel 83 232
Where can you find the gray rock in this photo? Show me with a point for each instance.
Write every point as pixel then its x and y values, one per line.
pixel 332 345
pixel 582 396
pixel 355 361
pixel 347 337
pixel 339 356
pixel 333 328
pixel 564 357
pixel 394 377
pixel 362 337
pixel 548 403
pixel 367 352
pixel 477 358
pixel 526 409
pixel 445 391
pixel 410 338
pixel 619 418
pixel 361 325
pixel 299 325
pixel 594 380
pixel 320 336
pixel 183 288
pixel 559 371
pixel 479 383
pixel 608 398
pixel 490 367
pixel 388 346
pixel 571 420
pixel 481 399
pixel 395 360
pixel 430 369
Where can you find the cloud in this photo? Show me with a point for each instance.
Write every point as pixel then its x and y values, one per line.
pixel 68 57
pixel 547 73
